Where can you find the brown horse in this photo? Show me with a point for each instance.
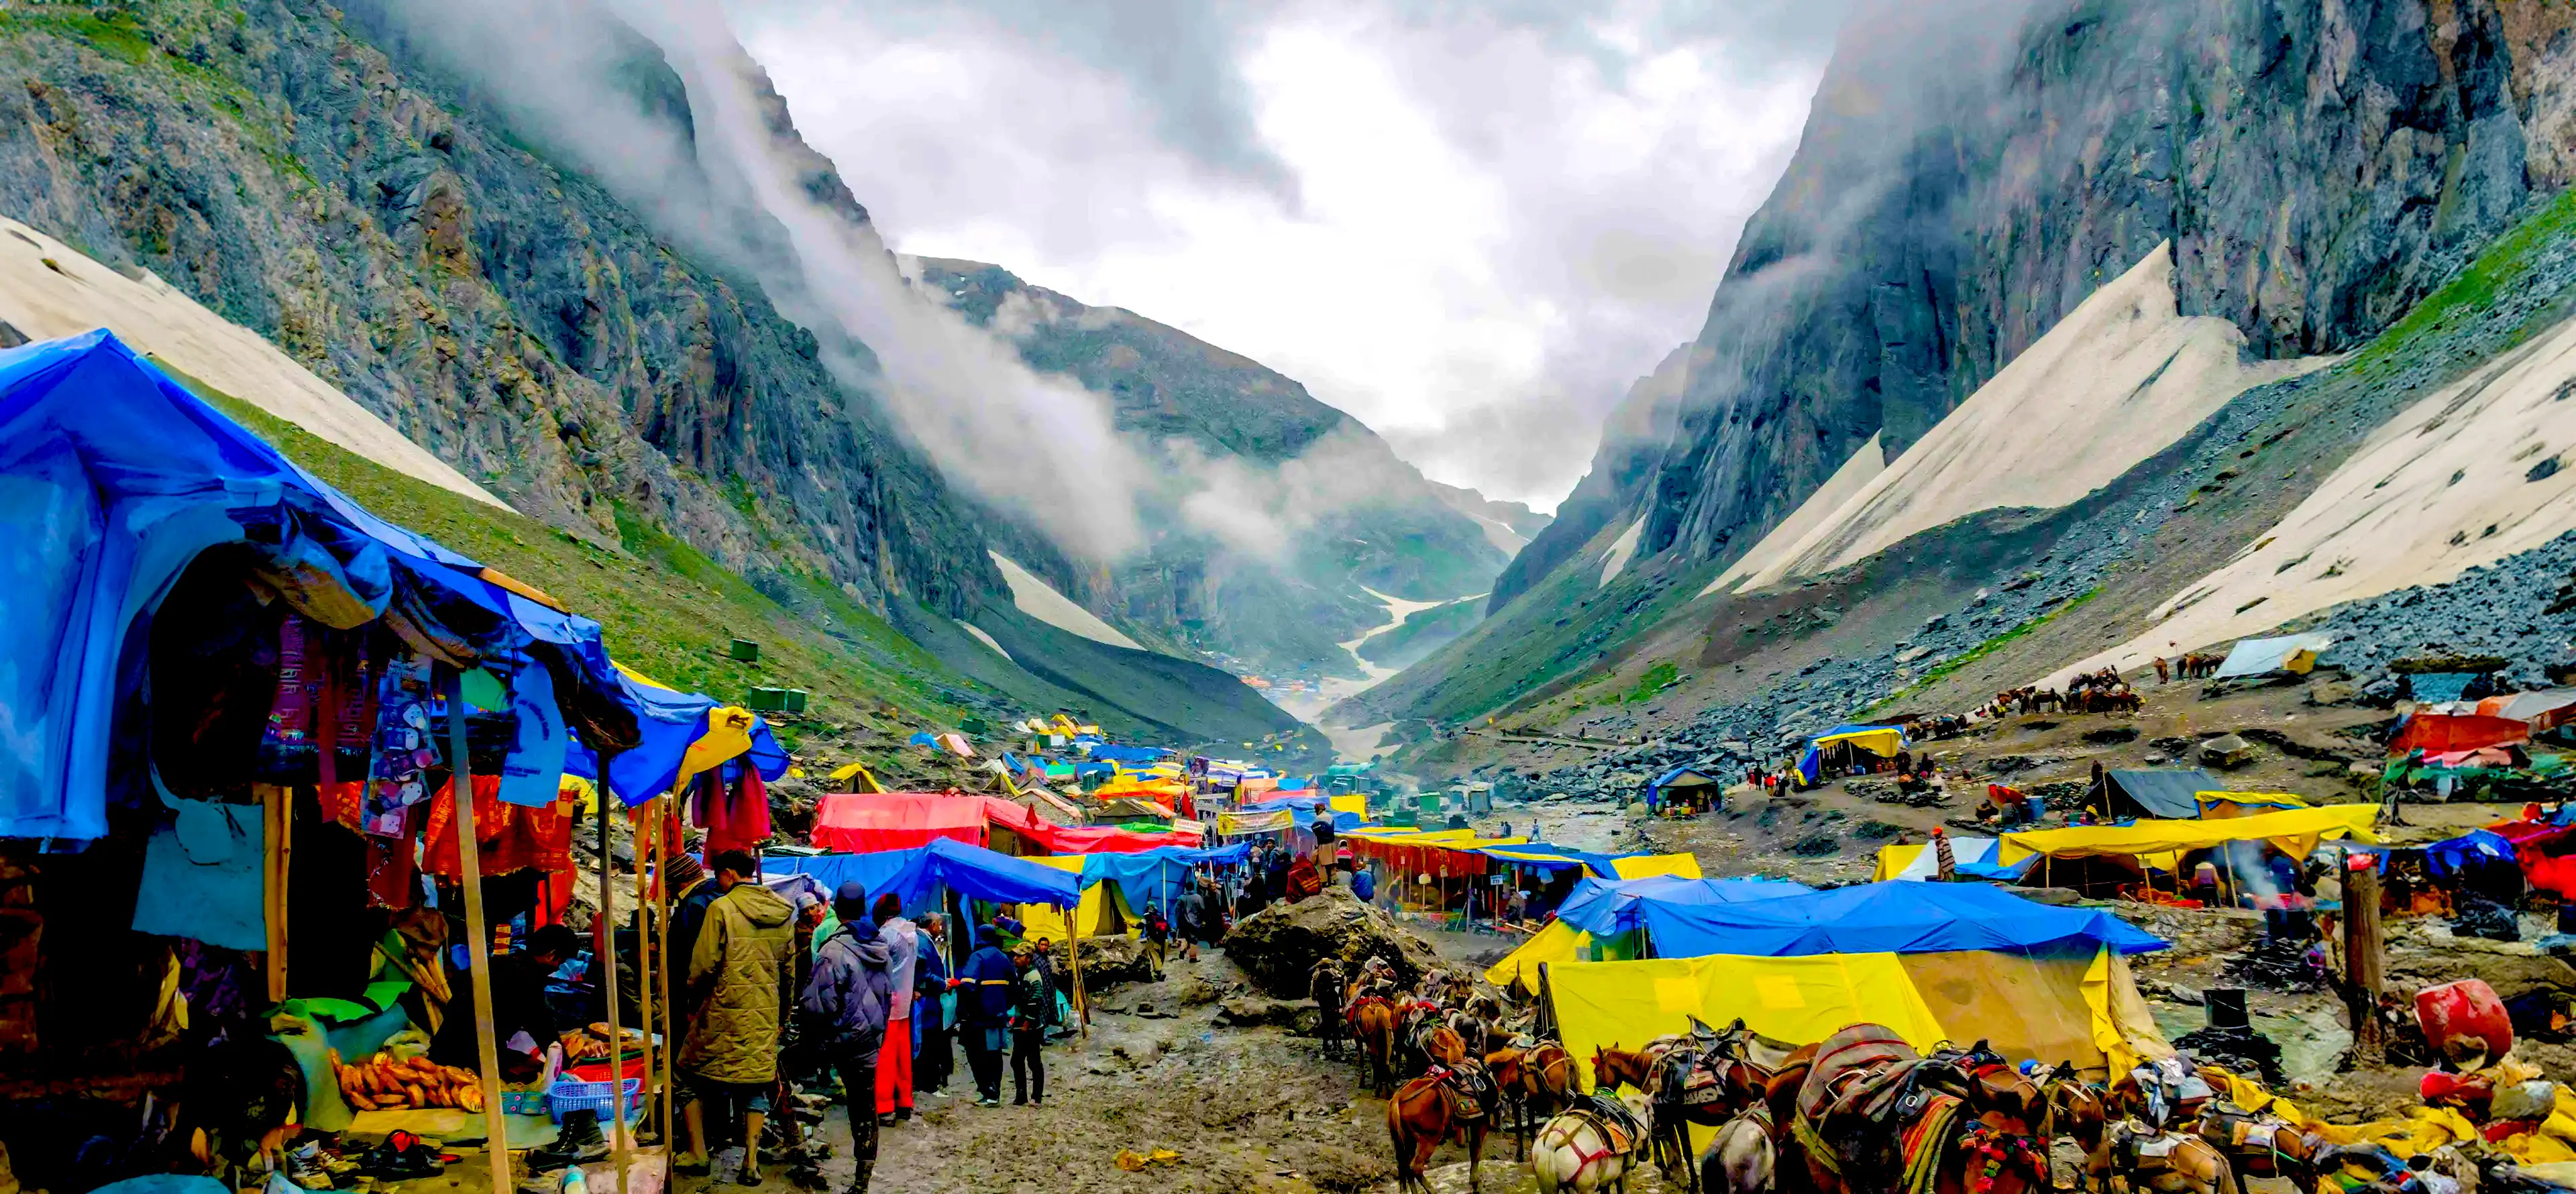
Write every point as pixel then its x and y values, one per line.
pixel 2191 1166
pixel 1425 1112
pixel 1535 1081
pixel 1614 1068
pixel 1734 1086
pixel 2077 1109
pixel 1373 1021
pixel 1988 1126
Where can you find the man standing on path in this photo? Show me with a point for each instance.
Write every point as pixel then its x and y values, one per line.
pixel 690 891
pixel 1032 1013
pixel 846 1007
pixel 894 1069
pixel 736 971
pixel 931 1021
pixel 984 1014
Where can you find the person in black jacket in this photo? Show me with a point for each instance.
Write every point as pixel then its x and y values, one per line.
pixel 984 998
pixel 1032 1013
pixel 846 1008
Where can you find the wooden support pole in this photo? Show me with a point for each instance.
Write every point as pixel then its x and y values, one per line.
pixel 277 832
pixel 469 850
pixel 645 989
pixel 2363 973
pixel 608 983
pixel 672 1029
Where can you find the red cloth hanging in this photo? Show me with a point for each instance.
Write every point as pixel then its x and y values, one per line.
pixel 513 837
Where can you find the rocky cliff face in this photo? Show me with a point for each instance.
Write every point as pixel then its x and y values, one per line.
pixel 1281 510
pixel 1966 179
pixel 271 160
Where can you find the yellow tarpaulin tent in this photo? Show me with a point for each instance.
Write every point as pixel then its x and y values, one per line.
pixel 2079 1008
pixel 1648 866
pixel 1883 741
pixel 1554 945
pixel 2222 805
pixel 1354 804
pixel 1102 913
pixel 2159 844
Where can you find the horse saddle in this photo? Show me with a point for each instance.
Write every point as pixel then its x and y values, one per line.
pixel 1466 1087
pixel 1619 1130
pixel 1352 1013
pixel 1859 1073
pixel 1701 1077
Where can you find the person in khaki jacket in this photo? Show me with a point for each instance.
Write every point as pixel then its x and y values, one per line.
pixel 737 976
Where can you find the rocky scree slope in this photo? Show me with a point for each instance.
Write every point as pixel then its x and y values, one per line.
pixel 1963 182
pixel 295 168
pixel 1354 516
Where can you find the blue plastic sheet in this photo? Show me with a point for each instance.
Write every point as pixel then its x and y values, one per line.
pixel 1157 876
pixel 1607 907
pixel 915 876
pixel 1892 917
pixel 113 478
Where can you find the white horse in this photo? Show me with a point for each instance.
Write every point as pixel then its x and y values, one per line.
pixel 1579 1151
pixel 1740 1159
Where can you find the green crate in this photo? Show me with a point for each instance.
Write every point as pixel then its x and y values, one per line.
pixel 746 651
pixel 777 700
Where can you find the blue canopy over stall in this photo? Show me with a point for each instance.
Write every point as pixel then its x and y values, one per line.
pixel 1893 917
pixel 114 478
pixel 916 875
pixel 1606 907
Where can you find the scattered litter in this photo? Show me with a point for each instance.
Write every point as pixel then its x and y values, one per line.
pixel 1132 1161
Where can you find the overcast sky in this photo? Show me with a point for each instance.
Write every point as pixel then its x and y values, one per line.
pixel 1469 225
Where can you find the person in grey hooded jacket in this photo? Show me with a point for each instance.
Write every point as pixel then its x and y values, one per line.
pixel 846 1008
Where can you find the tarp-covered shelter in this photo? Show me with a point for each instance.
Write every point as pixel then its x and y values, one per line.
pixel 1599 919
pixel 1975 857
pixel 2079 1006
pixel 2444 737
pixel 916 875
pixel 118 479
pixel 2168 794
pixel 1698 786
pixel 2295 654
pixel 1886 918
pixel 1842 740
pixel 2544 710
pixel 2159 844
pixel 860 822
pixel 2246 804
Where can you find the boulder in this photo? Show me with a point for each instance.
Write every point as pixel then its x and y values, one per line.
pixel 1248 1011
pixel 1110 962
pixel 1279 945
pixel 1197 992
pixel 2226 750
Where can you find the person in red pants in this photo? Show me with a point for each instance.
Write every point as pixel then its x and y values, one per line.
pixel 894 1061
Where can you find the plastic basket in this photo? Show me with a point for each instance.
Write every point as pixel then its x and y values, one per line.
pixel 564 1098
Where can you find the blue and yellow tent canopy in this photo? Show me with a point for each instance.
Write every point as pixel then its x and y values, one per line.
pixel 1883 741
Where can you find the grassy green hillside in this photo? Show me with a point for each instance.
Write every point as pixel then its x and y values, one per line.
pixel 667 611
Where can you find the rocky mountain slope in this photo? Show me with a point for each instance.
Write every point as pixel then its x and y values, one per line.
pixel 1966 180
pixel 1317 512
pixel 309 173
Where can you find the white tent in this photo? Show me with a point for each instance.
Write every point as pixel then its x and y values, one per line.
pixel 2263 656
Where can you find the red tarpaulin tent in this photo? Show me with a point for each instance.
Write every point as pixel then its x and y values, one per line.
pixel 863 822
pixel 2457 733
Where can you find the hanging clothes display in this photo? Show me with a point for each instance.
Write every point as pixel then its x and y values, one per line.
pixel 404 750
pixel 735 815
pixel 514 837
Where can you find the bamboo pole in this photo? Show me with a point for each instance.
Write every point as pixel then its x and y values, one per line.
pixel 469 862
pixel 277 820
pixel 608 983
pixel 671 1027
pixel 2363 970
pixel 644 989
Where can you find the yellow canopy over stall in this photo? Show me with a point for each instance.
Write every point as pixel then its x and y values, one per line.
pixel 1648 866
pixel 2160 844
pixel 1103 911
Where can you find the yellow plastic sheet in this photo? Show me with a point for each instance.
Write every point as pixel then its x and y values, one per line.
pixel 1556 944
pixel 1354 804
pixel 1264 821
pixel 1883 741
pixel 1647 866
pixel 2159 843
pixel 1103 911
pixel 1626 1004
pixel 1892 860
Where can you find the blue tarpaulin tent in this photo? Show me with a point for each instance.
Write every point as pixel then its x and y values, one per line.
pixel 1894 917
pixel 915 876
pixel 1129 754
pixel 1883 741
pixel 1681 777
pixel 1605 907
pixel 114 478
pixel 1156 876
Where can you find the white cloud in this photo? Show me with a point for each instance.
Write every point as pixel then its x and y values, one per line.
pixel 1469 230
